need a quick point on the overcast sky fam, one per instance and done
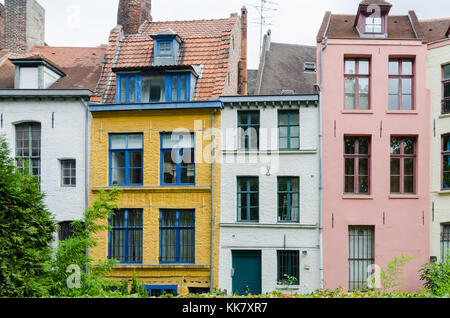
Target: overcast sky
(88, 22)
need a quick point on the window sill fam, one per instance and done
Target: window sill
(356, 111)
(357, 197)
(161, 266)
(444, 116)
(402, 112)
(443, 192)
(404, 196)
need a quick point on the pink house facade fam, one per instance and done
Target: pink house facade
(375, 145)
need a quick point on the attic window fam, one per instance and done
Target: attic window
(310, 66)
(373, 25)
(164, 48)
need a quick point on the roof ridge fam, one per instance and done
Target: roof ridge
(434, 19)
(194, 20)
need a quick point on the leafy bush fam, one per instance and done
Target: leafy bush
(437, 277)
(26, 232)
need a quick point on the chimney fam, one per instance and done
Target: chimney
(24, 25)
(242, 84)
(2, 25)
(133, 13)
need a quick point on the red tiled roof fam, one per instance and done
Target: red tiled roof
(435, 29)
(205, 42)
(82, 66)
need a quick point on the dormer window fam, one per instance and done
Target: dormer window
(167, 47)
(374, 25)
(35, 72)
(155, 87)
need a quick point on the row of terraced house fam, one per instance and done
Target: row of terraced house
(320, 166)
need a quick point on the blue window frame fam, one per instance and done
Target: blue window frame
(288, 266)
(177, 236)
(288, 130)
(288, 199)
(161, 290)
(126, 236)
(153, 88)
(126, 159)
(177, 159)
(248, 125)
(248, 199)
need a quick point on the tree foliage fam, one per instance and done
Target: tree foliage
(26, 232)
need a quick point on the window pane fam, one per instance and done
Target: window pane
(395, 166)
(131, 89)
(187, 175)
(363, 167)
(136, 176)
(349, 184)
(447, 72)
(407, 67)
(363, 185)
(118, 160)
(393, 68)
(134, 141)
(170, 167)
(395, 146)
(447, 90)
(295, 143)
(294, 118)
(409, 166)
(118, 176)
(395, 184)
(406, 86)
(364, 143)
(254, 184)
(187, 218)
(446, 143)
(349, 85)
(409, 184)
(123, 87)
(174, 88)
(349, 166)
(168, 218)
(393, 102)
(118, 141)
(393, 86)
(349, 145)
(364, 67)
(183, 88)
(282, 184)
(407, 102)
(409, 146)
(350, 67)
(283, 118)
(153, 89)
(349, 101)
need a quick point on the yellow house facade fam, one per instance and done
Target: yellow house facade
(173, 236)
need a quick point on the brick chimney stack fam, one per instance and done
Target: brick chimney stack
(133, 13)
(2, 25)
(242, 84)
(24, 25)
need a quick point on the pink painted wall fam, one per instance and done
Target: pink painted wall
(406, 224)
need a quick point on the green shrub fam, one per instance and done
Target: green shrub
(437, 277)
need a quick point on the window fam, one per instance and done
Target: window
(29, 78)
(401, 84)
(374, 24)
(158, 88)
(361, 256)
(446, 161)
(288, 266)
(153, 89)
(445, 241)
(357, 165)
(177, 236)
(66, 230)
(446, 89)
(157, 291)
(357, 81)
(68, 173)
(28, 148)
(403, 164)
(177, 159)
(309, 66)
(126, 236)
(288, 130)
(288, 199)
(248, 125)
(248, 199)
(164, 48)
(126, 159)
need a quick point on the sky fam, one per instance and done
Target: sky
(88, 22)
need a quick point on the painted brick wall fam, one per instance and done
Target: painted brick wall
(2, 24)
(268, 235)
(152, 198)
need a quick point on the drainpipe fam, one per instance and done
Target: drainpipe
(211, 287)
(86, 162)
(320, 165)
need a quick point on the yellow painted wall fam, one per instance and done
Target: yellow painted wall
(152, 197)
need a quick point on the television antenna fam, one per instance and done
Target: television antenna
(265, 8)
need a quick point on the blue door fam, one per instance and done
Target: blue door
(246, 272)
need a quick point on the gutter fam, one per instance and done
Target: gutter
(211, 287)
(320, 165)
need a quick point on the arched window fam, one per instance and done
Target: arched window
(28, 147)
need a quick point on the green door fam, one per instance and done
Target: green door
(246, 272)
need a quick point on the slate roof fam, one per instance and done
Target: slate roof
(435, 29)
(81, 65)
(282, 69)
(205, 42)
